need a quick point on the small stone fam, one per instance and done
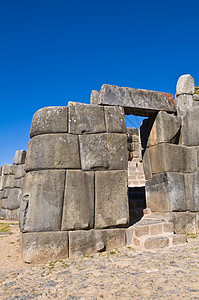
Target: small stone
(185, 85)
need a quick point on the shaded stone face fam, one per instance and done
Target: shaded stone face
(53, 151)
(78, 207)
(190, 130)
(49, 120)
(136, 101)
(111, 199)
(42, 201)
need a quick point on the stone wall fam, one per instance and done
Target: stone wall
(11, 182)
(171, 159)
(75, 194)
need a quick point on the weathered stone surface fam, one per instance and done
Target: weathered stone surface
(156, 242)
(178, 239)
(192, 191)
(40, 247)
(190, 129)
(196, 97)
(165, 129)
(147, 164)
(94, 96)
(42, 201)
(185, 85)
(1, 168)
(132, 131)
(78, 208)
(103, 151)
(136, 101)
(85, 118)
(8, 214)
(166, 192)
(86, 242)
(20, 157)
(49, 120)
(7, 181)
(14, 198)
(141, 230)
(19, 171)
(184, 222)
(111, 199)
(57, 151)
(18, 183)
(173, 158)
(129, 235)
(8, 169)
(183, 104)
(115, 119)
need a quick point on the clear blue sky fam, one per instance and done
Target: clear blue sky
(55, 51)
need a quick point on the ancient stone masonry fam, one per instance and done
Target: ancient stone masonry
(171, 159)
(11, 182)
(75, 191)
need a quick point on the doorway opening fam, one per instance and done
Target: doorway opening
(136, 178)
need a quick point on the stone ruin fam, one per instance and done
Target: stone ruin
(76, 199)
(11, 182)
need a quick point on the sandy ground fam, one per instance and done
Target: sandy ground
(172, 273)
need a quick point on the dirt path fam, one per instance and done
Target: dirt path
(171, 273)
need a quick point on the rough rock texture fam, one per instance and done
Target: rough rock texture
(42, 247)
(20, 157)
(103, 151)
(173, 158)
(85, 242)
(85, 118)
(78, 208)
(53, 151)
(115, 119)
(184, 222)
(136, 101)
(183, 104)
(49, 120)
(42, 201)
(190, 129)
(185, 85)
(94, 96)
(166, 192)
(192, 191)
(111, 200)
(165, 129)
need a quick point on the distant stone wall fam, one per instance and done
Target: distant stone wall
(11, 182)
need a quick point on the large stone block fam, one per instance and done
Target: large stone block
(192, 191)
(147, 164)
(20, 157)
(94, 96)
(190, 129)
(18, 183)
(136, 101)
(49, 120)
(183, 104)
(7, 181)
(173, 158)
(115, 119)
(40, 247)
(53, 151)
(14, 198)
(42, 201)
(184, 222)
(165, 129)
(86, 242)
(8, 169)
(111, 199)
(19, 171)
(8, 214)
(185, 85)
(103, 151)
(78, 208)
(166, 192)
(85, 118)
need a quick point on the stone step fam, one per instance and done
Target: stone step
(153, 231)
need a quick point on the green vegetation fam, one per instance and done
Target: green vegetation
(4, 227)
(197, 90)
